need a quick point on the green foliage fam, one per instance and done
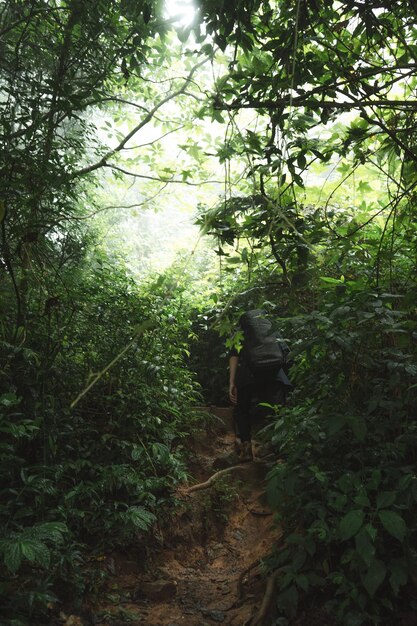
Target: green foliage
(30, 544)
(96, 388)
(95, 395)
(223, 496)
(99, 475)
(217, 504)
(208, 357)
(345, 490)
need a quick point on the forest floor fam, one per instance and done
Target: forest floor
(206, 568)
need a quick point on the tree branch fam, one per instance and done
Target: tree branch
(147, 325)
(129, 206)
(394, 136)
(148, 117)
(300, 101)
(159, 178)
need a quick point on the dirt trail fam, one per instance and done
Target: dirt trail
(206, 569)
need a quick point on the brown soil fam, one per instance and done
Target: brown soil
(207, 568)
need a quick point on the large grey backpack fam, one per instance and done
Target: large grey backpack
(262, 349)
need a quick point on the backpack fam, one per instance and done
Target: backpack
(262, 349)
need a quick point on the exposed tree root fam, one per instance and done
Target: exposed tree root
(239, 583)
(259, 618)
(259, 513)
(242, 576)
(211, 480)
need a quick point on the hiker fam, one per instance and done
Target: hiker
(257, 373)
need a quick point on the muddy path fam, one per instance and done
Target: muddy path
(206, 568)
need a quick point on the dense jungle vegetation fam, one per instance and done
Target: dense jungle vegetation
(297, 150)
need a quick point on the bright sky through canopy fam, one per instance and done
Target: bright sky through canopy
(182, 10)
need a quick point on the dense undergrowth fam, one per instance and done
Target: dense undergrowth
(346, 490)
(97, 475)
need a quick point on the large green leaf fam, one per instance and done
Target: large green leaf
(336, 423)
(12, 554)
(141, 517)
(393, 523)
(287, 600)
(365, 546)
(351, 523)
(374, 577)
(36, 552)
(385, 499)
(399, 574)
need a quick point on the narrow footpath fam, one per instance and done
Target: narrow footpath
(207, 568)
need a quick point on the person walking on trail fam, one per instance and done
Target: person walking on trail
(258, 373)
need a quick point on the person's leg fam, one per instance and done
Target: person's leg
(243, 420)
(243, 412)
